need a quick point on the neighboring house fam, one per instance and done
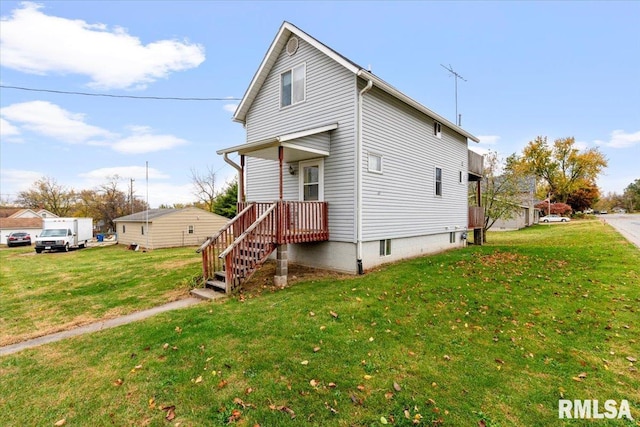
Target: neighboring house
(18, 219)
(527, 214)
(165, 228)
(362, 174)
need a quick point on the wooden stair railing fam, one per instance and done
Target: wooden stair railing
(250, 250)
(216, 244)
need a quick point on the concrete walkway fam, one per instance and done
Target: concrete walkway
(98, 326)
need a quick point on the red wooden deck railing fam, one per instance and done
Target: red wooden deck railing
(245, 242)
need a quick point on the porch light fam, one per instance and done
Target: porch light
(292, 171)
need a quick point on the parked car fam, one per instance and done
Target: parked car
(554, 218)
(18, 238)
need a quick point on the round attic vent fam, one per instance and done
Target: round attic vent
(292, 45)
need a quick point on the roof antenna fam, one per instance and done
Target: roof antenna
(457, 76)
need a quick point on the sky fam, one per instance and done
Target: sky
(554, 69)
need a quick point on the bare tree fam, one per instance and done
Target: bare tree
(503, 190)
(47, 194)
(205, 187)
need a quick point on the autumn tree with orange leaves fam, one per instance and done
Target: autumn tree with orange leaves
(561, 169)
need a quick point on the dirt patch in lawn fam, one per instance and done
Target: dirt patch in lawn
(262, 280)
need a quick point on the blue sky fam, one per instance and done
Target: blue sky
(555, 69)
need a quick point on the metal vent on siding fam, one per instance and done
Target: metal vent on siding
(292, 45)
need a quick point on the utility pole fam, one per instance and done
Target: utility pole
(456, 77)
(131, 195)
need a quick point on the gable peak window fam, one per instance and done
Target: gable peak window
(437, 130)
(292, 86)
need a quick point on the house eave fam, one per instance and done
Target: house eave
(266, 148)
(286, 30)
(381, 84)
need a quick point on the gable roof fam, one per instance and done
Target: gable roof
(286, 31)
(142, 216)
(20, 223)
(157, 213)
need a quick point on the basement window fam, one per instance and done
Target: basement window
(385, 247)
(452, 237)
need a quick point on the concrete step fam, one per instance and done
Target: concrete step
(206, 294)
(216, 285)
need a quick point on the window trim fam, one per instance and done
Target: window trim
(438, 189)
(301, 165)
(304, 86)
(385, 247)
(437, 130)
(369, 168)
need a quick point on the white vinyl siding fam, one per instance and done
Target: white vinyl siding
(330, 97)
(401, 202)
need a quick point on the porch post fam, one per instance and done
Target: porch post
(241, 195)
(282, 258)
(281, 160)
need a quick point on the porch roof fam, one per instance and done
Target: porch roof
(293, 150)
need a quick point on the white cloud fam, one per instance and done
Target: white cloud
(51, 120)
(7, 129)
(125, 172)
(581, 145)
(144, 141)
(620, 139)
(35, 43)
(16, 180)
(489, 139)
(230, 108)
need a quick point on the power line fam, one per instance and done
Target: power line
(164, 98)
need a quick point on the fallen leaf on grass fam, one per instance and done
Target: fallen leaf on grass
(283, 409)
(500, 361)
(118, 382)
(222, 384)
(316, 349)
(396, 386)
(235, 416)
(334, 314)
(198, 380)
(631, 359)
(61, 422)
(314, 383)
(304, 362)
(367, 377)
(582, 375)
(171, 412)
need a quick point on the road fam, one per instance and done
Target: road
(626, 224)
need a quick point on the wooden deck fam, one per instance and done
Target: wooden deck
(238, 249)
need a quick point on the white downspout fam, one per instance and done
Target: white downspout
(240, 176)
(361, 94)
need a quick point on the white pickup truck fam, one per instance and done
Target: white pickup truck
(64, 234)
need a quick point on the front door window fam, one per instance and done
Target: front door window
(311, 180)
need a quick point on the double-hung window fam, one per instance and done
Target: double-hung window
(292, 86)
(438, 182)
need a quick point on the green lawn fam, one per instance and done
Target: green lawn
(50, 292)
(490, 335)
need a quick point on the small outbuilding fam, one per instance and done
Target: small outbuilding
(167, 228)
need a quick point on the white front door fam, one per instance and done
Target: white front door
(311, 180)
